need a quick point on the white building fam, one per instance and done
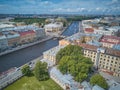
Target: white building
(40, 32)
(3, 42)
(65, 81)
(104, 32)
(54, 27)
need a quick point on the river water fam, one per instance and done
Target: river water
(20, 57)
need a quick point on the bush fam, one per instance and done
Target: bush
(99, 80)
(26, 70)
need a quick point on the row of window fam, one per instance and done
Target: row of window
(108, 56)
(107, 67)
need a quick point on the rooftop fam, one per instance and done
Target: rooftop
(96, 87)
(86, 85)
(2, 37)
(53, 51)
(19, 28)
(26, 32)
(64, 79)
(95, 48)
(15, 35)
(59, 75)
(55, 25)
(110, 39)
(87, 46)
(94, 42)
(78, 36)
(117, 47)
(89, 29)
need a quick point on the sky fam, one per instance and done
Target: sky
(60, 7)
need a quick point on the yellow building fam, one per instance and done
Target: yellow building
(107, 60)
(50, 55)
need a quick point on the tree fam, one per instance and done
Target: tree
(71, 60)
(99, 80)
(26, 70)
(69, 50)
(40, 71)
(63, 20)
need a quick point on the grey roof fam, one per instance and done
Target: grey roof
(115, 87)
(64, 79)
(53, 51)
(86, 85)
(94, 42)
(59, 76)
(80, 35)
(19, 28)
(96, 87)
(2, 37)
(9, 36)
(116, 47)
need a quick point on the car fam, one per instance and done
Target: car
(17, 69)
(29, 63)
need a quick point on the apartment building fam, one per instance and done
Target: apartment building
(80, 37)
(27, 36)
(104, 59)
(109, 41)
(13, 39)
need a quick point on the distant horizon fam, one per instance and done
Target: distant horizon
(97, 7)
(64, 14)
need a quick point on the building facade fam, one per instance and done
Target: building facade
(13, 39)
(110, 41)
(3, 42)
(40, 33)
(27, 36)
(103, 59)
(51, 54)
(54, 27)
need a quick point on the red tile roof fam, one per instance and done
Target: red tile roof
(110, 39)
(113, 52)
(26, 32)
(87, 46)
(89, 30)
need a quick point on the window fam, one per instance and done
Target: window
(106, 66)
(112, 57)
(111, 61)
(110, 68)
(114, 69)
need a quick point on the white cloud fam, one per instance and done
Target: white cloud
(68, 10)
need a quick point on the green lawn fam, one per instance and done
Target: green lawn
(31, 83)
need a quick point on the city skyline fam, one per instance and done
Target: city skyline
(60, 7)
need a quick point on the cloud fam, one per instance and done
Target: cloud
(61, 6)
(114, 3)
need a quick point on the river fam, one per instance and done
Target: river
(20, 57)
